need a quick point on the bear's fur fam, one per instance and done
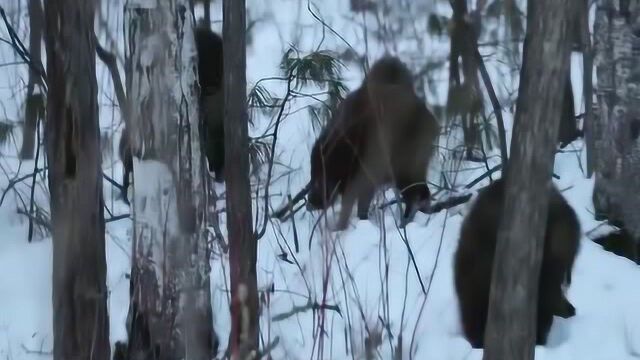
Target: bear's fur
(473, 262)
(382, 133)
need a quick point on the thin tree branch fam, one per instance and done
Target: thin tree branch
(34, 64)
(33, 181)
(282, 212)
(16, 181)
(109, 59)
(265, 220)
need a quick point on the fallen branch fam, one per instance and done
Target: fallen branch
(448, 203)
(282, 213)
(308, 306)
(117, 217)
(438, 206)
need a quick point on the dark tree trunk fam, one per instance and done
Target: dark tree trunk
(80, 319)
(207, 12)
(243, 243)
(170, 306)
(34, 104)
(511, 326)
(465, 103)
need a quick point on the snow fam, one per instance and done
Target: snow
(364, 275)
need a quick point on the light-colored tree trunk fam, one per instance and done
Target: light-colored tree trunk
(511, 321)
(170, 289)
(242, 241)
(616, 115)
(34, 104)
(80, 319)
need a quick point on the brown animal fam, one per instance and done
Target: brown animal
(124, 151)
(382, 133)
(473, 262)
(209, 51)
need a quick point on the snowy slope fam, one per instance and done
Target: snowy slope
(362, 282)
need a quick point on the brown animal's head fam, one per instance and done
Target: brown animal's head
(416, 197)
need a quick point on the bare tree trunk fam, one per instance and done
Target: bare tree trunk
(170, 311)
(465, 101)
(616, 116)
(243, 244)
(80, 319)
(207, 12)
(34, 104)
(587, 85)
(511, 325)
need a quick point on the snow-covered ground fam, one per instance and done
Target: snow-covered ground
(343, 290)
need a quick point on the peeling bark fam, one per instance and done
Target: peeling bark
(170, 312)
(243, 242)
(616, 115)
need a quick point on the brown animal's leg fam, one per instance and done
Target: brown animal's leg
(364, 202)
(348, 200)
(410, 197)
(564, 309)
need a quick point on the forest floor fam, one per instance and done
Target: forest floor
(334, 292)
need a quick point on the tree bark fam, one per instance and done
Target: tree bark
(170, 312)
(34, 104)
(80, 319)
(587, 86)
(511, 326)
(243, 244)
(616, 116)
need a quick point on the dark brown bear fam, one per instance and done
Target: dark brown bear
(209, 52)
(382, 133)
(210, 76)
(473, 262)
(124, 150)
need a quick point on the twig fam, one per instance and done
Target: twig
(35, 219)
(483, 176)
(33, 180)
(36, 352)
(14, 182)
(308, 306)
(280, 213)
(21, 50)
(263, 229)
(296, 242)
(110, 61)
(448, 203)
(497, 109)
(112, 182)
(117, 217)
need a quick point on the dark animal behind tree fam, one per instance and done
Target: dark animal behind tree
(382, 133)
(473, 263)
(210, 75)
(211, 105)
